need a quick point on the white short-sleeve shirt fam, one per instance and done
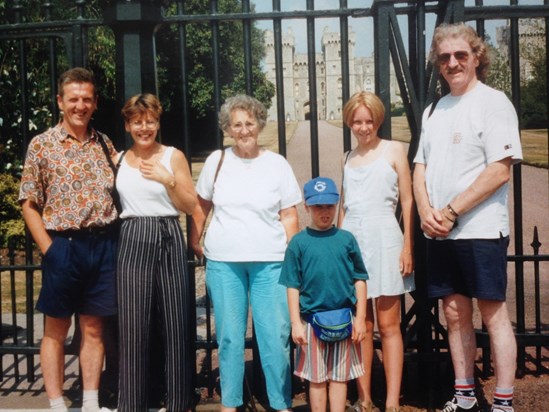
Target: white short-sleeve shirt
(248, 196)
(458, 141)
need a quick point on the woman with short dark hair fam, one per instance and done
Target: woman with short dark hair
(155, 185)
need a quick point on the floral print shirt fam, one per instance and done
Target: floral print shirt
(70, 181)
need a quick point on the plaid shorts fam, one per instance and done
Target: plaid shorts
(321, 361)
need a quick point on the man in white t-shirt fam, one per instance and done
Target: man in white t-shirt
(469, 141)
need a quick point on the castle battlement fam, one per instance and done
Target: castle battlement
(328, 76)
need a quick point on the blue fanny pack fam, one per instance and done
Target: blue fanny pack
(332, 325)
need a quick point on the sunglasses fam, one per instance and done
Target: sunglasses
(461, 56)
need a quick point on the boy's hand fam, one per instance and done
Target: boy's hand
(299, 335)
(359, 330)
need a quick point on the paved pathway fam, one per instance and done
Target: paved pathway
(330, 143)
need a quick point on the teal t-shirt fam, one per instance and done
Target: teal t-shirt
(323, 266)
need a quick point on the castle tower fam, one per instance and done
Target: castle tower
(328, 76)
(288, 54)
(333, 86)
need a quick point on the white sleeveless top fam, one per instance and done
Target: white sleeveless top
(371, 196)
(144, 197)
(248, 197)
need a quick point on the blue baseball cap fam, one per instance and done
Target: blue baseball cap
(320, 191)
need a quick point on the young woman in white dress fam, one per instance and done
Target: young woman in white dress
(377, 177)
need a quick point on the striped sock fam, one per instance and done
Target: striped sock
(503, 400)
(464, 392)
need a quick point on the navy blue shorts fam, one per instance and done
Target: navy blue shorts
(476, 268)
(78, 275)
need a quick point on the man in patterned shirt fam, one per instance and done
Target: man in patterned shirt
(67, 205)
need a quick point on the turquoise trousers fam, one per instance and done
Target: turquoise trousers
(233, 287)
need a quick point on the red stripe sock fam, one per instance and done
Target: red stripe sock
(464, 392)
(503, 399)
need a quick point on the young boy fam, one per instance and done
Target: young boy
(323, 270)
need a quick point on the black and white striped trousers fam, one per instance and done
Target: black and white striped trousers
(152, 278)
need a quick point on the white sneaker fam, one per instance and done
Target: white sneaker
(452, 406)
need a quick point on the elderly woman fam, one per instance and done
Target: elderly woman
(253, 193)
(155, 185)
(377, 177)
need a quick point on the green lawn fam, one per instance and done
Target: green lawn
(20, 291)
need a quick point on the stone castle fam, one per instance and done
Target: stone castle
(328, 76)
(531, 41)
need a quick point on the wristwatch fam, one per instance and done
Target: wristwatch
(171, 184)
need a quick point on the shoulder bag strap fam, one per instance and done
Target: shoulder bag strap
(342, 179)
(106, 151)
(114, 194)
(119, 161)
(219, 165)
(433, 105)
(343, 171)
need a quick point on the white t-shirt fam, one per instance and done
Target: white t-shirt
(463, 135)
(144, 197)
(248, 196)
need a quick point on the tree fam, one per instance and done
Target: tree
(39, 89)
(534, 98)
(11, 222)
(200, 67)
(101, 49)
(499, 75)
(533, 73)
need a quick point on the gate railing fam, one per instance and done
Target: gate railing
(135, 25)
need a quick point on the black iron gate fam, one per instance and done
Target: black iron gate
(134, 27)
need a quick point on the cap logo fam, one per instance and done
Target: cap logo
(320, 186)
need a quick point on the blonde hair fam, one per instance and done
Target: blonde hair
(368, 100)
(467, 33)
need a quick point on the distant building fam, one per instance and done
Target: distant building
(328, 76)
(531, 40)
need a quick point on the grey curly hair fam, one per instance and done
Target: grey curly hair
(242, 102)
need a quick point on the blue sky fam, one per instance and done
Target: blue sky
(363, 27)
